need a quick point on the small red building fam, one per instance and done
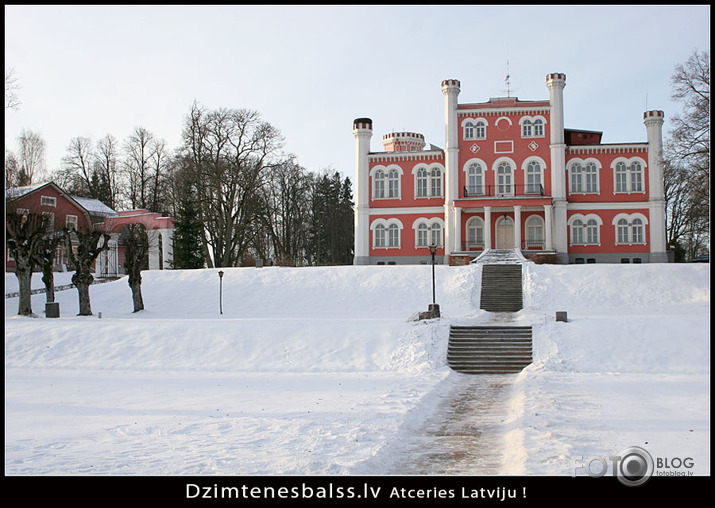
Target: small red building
(72, 212)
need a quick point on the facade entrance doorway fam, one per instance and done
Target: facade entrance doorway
(505, 233)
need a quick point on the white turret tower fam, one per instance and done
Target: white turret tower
(653, 121)
(556, 83)
(362, 130)
(450, 89)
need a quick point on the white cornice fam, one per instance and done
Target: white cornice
(626, 205)
(406, 156)
(417, 210)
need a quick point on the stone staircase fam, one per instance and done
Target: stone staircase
(500, 257)
(489, 349)
(501, 288)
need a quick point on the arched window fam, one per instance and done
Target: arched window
(378, 184)
(422, 235)
(481, 130)
(393, 184)
(577, 232)
(475, 180)
(576, 172)
(475, 233)
(538, 127)
(591, 231)
(379, 240)
(526, 129)
(436, 238)
(621, 177)
(436, 182)
(393, 236)
(533, 178)
(637, 231)
(628, 174)
(591, 174)
(636, 177)
(469, 130)
(622, 231)
(535, 232)
(422, 183)
(504, 179)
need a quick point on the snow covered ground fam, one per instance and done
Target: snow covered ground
(313, 371)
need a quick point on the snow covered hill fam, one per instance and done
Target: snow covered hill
(315, 370)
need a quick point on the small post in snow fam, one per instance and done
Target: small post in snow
(220, 291)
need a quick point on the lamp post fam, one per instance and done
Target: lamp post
(433, 251)
(220, 291)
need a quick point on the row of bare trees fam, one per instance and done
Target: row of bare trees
(253, 201)
(32, 241)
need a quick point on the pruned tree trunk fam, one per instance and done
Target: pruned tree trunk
(48, 279)
(24, 281)
(136, 245)
(137, 295)
(90, 245)
(82, 281)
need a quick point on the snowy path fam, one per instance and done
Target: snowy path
(463, 435)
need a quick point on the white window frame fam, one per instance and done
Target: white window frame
(475, 225)
(628, 231)
(534, 222)
(427, 180)
(433, 229)
(390, 233)
(579, 181)
(533, 187)
(532, 126)
(421, 182)
(71, 219)
(48, 201)
(582, 229)
(628, 170)
(478, 189)
(504, 184)
(386, 182)
(469, 130)
(474, 128)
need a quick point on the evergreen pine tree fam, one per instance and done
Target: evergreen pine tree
(188, 233)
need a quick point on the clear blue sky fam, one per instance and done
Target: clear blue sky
(311, 70)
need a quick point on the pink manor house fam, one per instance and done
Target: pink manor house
(510, 177)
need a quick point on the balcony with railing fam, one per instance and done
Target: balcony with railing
(502, 191)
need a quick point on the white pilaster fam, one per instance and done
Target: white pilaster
(556, 83)
(487, 227)
(653, 121)
(517, 227)
(362, 130)
(458, 228)
(450, 90)
(548, 233)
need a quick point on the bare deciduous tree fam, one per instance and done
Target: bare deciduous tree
(91, 243)
(24, 232)
(229, 152)
(687, 158)
(31, 158)
(136, 245)
(12, 101)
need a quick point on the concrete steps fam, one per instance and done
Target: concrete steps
(501, 288)
(489, 349)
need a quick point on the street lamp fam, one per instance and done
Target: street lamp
(433, 251)
(434, 308)
(220, 290)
